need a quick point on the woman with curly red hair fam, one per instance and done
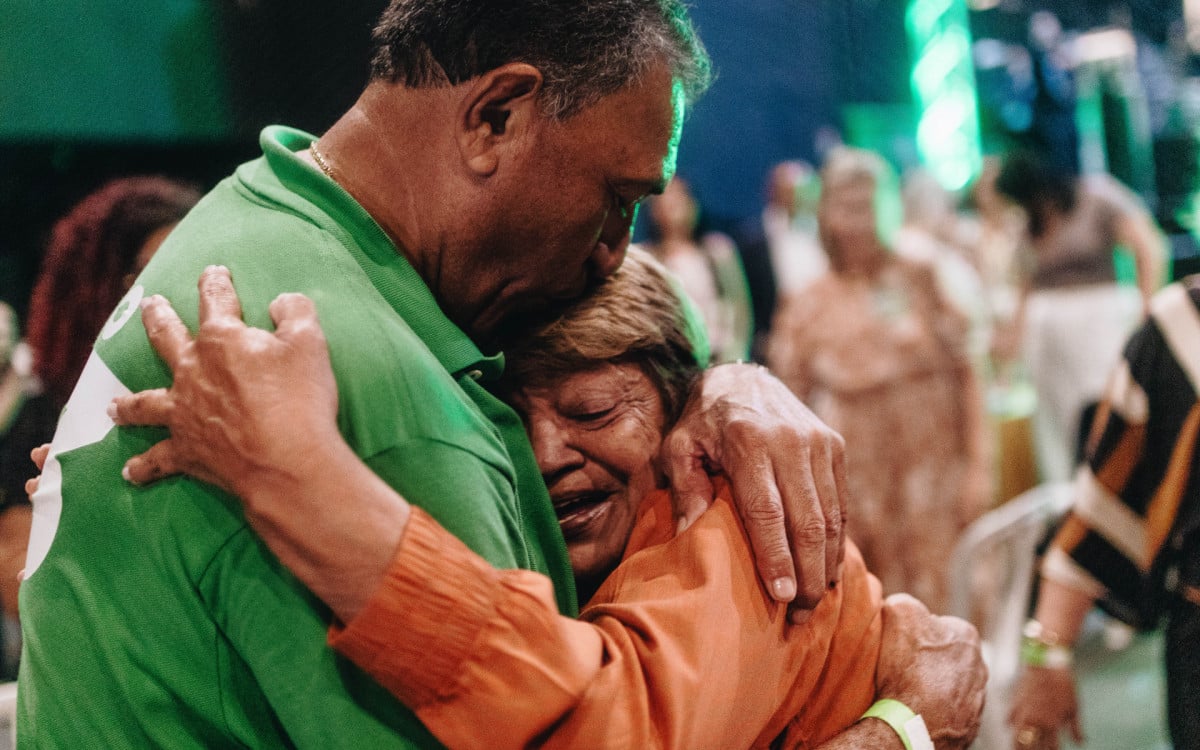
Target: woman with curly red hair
(95, 253)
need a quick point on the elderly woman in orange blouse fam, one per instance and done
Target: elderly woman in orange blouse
(878, 354)
(678, 646)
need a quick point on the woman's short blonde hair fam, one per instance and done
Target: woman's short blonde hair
(847, 167)
(635, 316)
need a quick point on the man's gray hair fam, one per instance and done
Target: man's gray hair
(585, 49)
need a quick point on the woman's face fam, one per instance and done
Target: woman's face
(849, 223)
(596, 436)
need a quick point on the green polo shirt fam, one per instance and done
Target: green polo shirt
(153, 616)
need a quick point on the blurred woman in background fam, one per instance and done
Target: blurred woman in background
(95, 253)
(708, 266)
(933, 233)
(879, 354)
(1072, 315)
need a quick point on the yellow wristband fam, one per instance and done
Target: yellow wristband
(910, 726)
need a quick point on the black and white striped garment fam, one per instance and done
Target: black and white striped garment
(1137, 499)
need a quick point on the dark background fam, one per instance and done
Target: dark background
(93, 89)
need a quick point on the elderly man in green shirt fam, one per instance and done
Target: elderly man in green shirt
(489, 172)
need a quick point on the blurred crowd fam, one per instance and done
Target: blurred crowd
(911, 318)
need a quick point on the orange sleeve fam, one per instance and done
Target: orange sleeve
(680, 648)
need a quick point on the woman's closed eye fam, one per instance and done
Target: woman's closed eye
(590, 412)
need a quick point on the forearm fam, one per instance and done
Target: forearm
(868, 734)
(456, 640)
(1150, 271)
(1150, 253)
(341, 557)
(1150, 262)
(1061, 610)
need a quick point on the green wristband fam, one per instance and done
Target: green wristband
(910, 726)
(1038, 654)
(1039, 649)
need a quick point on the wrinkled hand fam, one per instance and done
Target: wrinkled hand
(933, 665)
(1044, 704)
(787, 470)
(246, 405)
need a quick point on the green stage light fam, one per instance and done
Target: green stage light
(943, 85)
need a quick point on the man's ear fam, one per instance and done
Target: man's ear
(499, 108)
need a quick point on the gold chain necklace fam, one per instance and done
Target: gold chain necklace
(320, 160)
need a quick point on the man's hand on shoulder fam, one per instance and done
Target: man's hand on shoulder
(787, 470)
(232, 407)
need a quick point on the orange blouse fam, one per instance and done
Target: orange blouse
(680, 648)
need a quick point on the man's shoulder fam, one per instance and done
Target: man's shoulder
(234, 221)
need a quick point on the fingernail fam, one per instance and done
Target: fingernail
(681, 524)
(112, 410)
(126, 474)
(784, 589)
(21, 574)
(800, 616)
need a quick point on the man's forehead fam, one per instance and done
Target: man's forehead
(635, 133)
(661, 170)
(678, 113)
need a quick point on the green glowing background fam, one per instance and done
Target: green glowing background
(144, 69)
(943, 85)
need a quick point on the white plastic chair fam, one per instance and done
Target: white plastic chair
(1005, 541)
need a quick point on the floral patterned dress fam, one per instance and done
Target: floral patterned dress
(884, 361)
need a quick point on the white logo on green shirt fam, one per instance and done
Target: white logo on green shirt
(84, 421)
(125, 310)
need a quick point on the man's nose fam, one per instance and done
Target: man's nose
(606, 258)
(614, 241)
